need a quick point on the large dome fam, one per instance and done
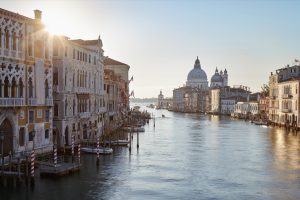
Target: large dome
(197, 74)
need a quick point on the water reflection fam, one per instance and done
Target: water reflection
(186, 156)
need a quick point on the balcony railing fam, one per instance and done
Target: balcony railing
(287, 96)
(49, 101)
(12, 102)
(286, 110)
(32, 102)
(102, 109)
(84, 114)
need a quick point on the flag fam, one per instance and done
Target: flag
(131, 79)
(132, 94)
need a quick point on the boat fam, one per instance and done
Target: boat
(135, 129)
(120, 142)
(102, 150)
(163, 115)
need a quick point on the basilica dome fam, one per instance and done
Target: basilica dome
(197, 73)
(197, 77)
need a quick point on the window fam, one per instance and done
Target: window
(74, 53)
(31, 116)
(94, 60)
(7, 39)
(55, 50)
(30, 136)
(22, 136)
(14, 41)
(66, 51)
(47, 134)
(89, 58)
(55, 110)
(30, 87)
(47, 115)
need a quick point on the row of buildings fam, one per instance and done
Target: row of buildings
(217, 97)
(278, 105)
(53, 88)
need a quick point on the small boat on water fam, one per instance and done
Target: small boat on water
(120, 142)
(260, 123)
(163, 115)
(102, 150)
(135, 129)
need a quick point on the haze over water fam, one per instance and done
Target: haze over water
(186, 156)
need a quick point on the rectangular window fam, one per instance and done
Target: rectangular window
(77, 55)
(74, 53)
(47, 115)
(22, 136)
(31, 116)
(89, 58)
(66, 51)
(94, 60)
(47, 134)
(30, 136)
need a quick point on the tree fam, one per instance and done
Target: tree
(265, 90)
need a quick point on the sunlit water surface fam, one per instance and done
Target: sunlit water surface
(186, 156)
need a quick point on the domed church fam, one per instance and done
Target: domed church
(197, 77)
(219, 79)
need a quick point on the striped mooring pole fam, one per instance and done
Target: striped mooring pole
(55, 155)
(32, 159)
(98, 157)
(73, 138)
(79, 154)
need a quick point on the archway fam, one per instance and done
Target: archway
(67, 136)
(8, 137)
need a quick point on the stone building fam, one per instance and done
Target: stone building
(194, 96)
(120, 69)
(162, 102)
(284, 95)
(79, 102)
(25, 83)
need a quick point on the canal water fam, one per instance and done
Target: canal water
(186, 156)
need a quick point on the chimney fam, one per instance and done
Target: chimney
(37, 14)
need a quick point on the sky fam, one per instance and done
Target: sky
(160, 39)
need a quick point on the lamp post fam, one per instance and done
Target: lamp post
(2, 150)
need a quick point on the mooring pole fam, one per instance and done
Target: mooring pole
(137, 137)
(73, 138)
(98, 157)
(32, 167)
(130, 139)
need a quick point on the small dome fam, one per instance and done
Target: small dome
(216, 78)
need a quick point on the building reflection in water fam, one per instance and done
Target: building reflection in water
(285, 149)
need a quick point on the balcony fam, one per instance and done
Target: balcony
(102, 109)
(84, 114)
(49, 101)
(6, 102)
(32, 102)
(286, 110)
(287, 96)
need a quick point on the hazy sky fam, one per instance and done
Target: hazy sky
(160, 40)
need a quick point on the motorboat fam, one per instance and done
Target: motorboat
(93, 150)
(120, 142)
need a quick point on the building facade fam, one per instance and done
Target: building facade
(25, 83)
(162, 102)
(79, 102)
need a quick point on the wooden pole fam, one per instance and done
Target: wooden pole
(137, 137)
(130, 140)
(32, 167)
(97, 162)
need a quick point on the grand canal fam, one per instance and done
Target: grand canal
(186, 156)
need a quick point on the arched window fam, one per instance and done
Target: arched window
(66, 76)
(30, 88)
(73, 106)
(55, 110)
(21, 85)
(78, 78)
(6, 85)
(1, 88)
(66, 107)
(20, 46)
(74, 79)
(14, 40)
(46, 89)
(0, 38)
(13, 88)
(6, 39)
